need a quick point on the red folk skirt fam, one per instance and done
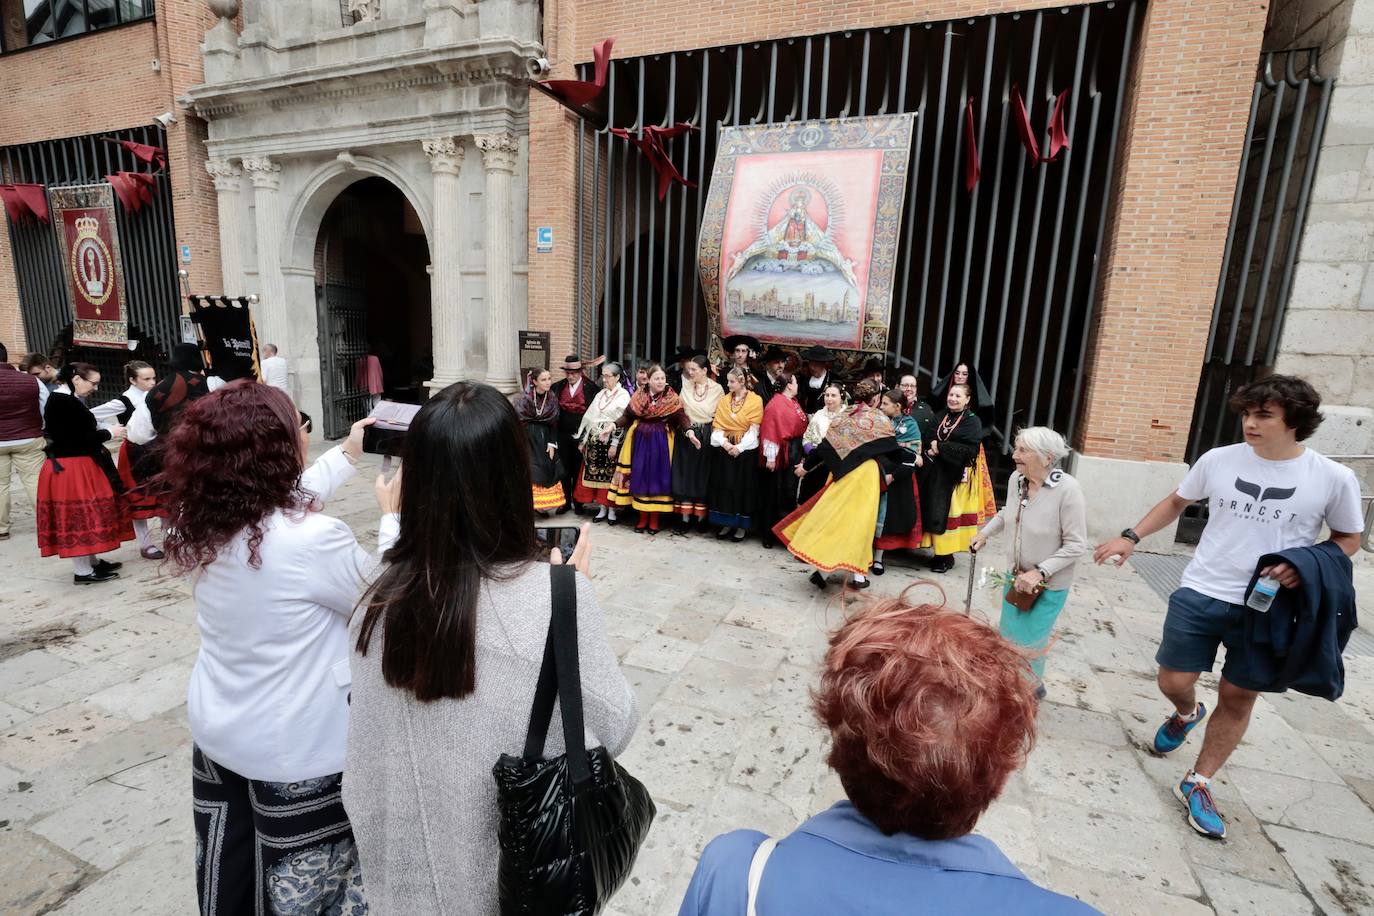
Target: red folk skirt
(79, 513)
(136, 498)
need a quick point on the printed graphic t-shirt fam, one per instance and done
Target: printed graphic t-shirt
(1256, 506)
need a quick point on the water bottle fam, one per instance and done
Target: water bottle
(1262, 595)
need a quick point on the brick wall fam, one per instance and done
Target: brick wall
(1183, 126)
(106, 81)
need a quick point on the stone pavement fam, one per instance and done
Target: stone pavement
(721, 643)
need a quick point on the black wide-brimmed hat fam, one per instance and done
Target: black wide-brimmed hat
(734, 340)
(774, 354)
(874, 364)
(685, 352)
(817, 354)
(572, 363)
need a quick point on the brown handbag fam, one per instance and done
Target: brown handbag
(1022, 601)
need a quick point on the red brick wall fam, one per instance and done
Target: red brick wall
(106, 81)
(1183, 126)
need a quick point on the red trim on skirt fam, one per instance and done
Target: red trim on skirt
(912, 539)
(79, 513)
(586, 495)
(136, 499)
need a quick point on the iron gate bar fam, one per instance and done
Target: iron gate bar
(974, 196)
(991, 242)
(904, 269)
(934, 185)
(1090, 300)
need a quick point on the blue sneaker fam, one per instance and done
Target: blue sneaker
(1174, 731)
(1202, 810)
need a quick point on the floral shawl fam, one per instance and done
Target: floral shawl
(862, 425)
(646, 407)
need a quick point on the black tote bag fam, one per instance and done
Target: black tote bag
(570, 825)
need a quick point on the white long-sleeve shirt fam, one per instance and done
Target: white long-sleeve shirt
(107, 414)
(268, 696)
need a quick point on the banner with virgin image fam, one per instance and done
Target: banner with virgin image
(88, 237)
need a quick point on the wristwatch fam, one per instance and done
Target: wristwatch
(1130, 535)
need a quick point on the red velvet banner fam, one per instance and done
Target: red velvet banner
(88, 236)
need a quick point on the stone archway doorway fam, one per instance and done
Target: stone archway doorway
(372, 290)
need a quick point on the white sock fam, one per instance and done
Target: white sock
(84, 565)
(1197, 778)
(877, 555)
(1192, 716)
(725, 532)
(145, 536)
(859, 578)
(602, 513)
(610, 514)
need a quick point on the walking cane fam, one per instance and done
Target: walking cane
(972, 568)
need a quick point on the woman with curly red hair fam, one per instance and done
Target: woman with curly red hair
(929, 712)
(274, 581)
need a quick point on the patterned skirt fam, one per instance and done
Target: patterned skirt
(598, 470)
(644, 468)
(970, 507)
(79, 513)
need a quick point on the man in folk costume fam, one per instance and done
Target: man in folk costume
(774, 363)
(834, 529)
(573, 393)
(166, 401)
(811, 391)
(740, 350)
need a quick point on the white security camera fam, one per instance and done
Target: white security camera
(537, 67)
(166, 119)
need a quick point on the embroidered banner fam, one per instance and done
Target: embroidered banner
(799, 236)
(88, 236)
(231, 343)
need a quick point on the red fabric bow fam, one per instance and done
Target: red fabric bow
(24, 198)
(650, 143)
(1059, 137)
(134, 189)
(153, 155)
(576, 93)
(972, 171)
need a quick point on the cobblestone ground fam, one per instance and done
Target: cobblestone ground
(721, 644)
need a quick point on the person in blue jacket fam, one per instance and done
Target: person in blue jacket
(929, 712)
(1265, 495)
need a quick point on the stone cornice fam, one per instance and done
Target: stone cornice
(470, 63)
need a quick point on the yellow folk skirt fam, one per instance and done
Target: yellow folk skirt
(971, 506)
(834, 529)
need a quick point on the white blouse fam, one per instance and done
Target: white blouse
(268, 697)
(602, 412)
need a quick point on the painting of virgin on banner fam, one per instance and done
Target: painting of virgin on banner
(799, 236)
(88, 236)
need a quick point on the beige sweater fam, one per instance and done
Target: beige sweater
(1054, 528)
(418, 786)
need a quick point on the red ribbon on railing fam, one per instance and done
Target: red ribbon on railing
(972, 170)
(25, 198)
(576, 93)
(1059, 137)
(650, 143)
(134, 189)
(152, 155)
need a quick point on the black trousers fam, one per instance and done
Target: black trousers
(272, 848)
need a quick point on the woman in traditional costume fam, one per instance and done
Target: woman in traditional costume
(834, 402)
(780, 452)
(594, 437)
(980, 401)
(899, 510)
(834, 529)
(134, 464)
(538, 411)
(644, 461)
(732, 493)
(692, 465)
(952, 496)
(80, 510)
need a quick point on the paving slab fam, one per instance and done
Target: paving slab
(1243, 897)
(36, 875)
(1338, 874)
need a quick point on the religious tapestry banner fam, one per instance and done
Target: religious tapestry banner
(799, 237)
(88, 237)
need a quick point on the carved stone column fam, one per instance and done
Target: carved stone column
(270, 317)
(446, 285)
(228, 181)
(499, 155)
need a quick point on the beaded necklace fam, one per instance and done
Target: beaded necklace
(946, 428)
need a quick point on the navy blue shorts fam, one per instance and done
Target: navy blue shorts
(1193, 629)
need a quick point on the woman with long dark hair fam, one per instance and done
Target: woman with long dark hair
(538, 410)
(780, 452)
(274, 581)
(80, 509)
(692, 462)
(449, 643)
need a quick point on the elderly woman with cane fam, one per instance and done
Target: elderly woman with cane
(1045, 513)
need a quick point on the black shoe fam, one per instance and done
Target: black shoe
(769, 542)
(942, 564)
(1041, 692)
(599, 518)
(106, 566)
(877, 568)
(740, 535)
(722, 534)
(100, 575)
(563, 509)
(818, 580)
(612, 522)
(853, 583)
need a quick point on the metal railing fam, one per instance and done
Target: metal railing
(1366, 536)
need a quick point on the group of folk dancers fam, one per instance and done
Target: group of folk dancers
(836, 471)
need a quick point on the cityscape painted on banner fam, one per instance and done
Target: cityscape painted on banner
(798, 242)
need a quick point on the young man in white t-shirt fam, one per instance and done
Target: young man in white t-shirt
(1267, 494)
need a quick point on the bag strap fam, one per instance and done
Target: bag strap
(756, 866)
(1023, 496)
(560, 678)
